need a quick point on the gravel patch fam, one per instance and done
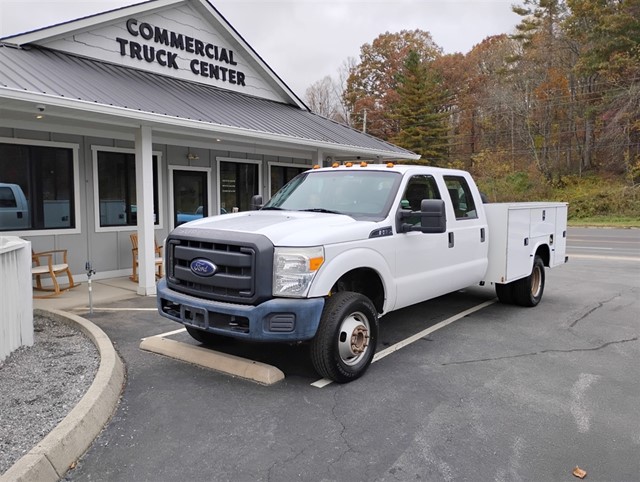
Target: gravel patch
(41, 384)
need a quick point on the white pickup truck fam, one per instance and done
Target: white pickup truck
(14, 208)
(338, 247)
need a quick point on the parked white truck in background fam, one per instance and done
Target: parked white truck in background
(14, 208)
(336, 248)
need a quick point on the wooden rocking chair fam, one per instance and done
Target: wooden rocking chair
(46, 263)
(134, 258)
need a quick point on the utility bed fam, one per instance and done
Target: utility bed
(516, 229)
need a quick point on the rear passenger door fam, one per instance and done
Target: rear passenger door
(467, 241)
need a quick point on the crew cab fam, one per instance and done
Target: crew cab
(337, 248)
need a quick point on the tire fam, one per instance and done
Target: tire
(528, 291)
(204, 337)
(504, 292)
(346, 340)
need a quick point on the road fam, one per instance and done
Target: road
(502, 394)
(589, 242)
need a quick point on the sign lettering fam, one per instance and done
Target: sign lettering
(167, 57)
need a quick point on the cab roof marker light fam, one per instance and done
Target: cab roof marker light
(335, 164)
(390, 164)
(316, 166)
(349, 164)
(363, 164)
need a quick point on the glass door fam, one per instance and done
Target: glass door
(190, 195)
(239, 181)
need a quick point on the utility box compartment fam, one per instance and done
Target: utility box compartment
(516, 230)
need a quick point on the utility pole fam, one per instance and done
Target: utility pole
(364, 122)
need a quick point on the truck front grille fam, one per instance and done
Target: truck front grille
(236, 277)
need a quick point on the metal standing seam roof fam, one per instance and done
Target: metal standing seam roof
(44, 71)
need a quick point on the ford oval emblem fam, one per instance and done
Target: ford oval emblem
(203, 267)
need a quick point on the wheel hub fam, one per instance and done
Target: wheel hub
(353, 339)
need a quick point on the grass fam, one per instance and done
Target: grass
(606, 222)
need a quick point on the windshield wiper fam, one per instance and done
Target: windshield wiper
(271, 208)
(321, 210)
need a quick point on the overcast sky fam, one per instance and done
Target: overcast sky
(305, 40)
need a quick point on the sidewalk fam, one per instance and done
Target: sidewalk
(102, 292)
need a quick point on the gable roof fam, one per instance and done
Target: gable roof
(81, 87)
(47, 35)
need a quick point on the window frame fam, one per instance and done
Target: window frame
(95, 149)
(75, 166)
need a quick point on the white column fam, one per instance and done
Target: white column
(144, 201)
(318, 158)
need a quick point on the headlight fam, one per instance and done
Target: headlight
(294, 269)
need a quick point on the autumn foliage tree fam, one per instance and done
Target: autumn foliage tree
(371, 91)
(558, 97)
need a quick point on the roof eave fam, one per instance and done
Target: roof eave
(142, 117)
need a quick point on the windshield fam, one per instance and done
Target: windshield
(358, 193)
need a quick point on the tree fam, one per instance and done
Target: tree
(608, 35)
(323, 98)
(544, 65)
(420, 111)
(371, 90)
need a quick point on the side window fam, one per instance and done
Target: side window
(461, 198)
(418, 188)
(7, 199)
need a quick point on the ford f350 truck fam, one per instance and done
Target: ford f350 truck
(338, 247)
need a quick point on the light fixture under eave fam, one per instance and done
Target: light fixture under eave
(39, 116)
(192, 157)
(218, 140)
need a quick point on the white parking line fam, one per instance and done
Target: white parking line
(162, 335)
(323, 382)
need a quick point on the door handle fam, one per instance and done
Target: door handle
(482, 235)
(451, 240)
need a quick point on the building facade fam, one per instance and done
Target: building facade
(141, 118)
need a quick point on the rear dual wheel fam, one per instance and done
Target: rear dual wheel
(346, 340)
(526, 291)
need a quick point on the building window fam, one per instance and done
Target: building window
(117, 188)
(280, 174)
(37, 184)
(239, 181)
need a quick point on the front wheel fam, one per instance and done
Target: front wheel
(528, 291)
(346, 340)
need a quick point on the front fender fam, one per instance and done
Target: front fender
(337, 266)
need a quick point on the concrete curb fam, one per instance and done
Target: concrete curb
(52, 457)
(220, 362)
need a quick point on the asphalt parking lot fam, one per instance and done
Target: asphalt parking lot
(505, 393)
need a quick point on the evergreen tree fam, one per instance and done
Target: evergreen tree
(420, 112)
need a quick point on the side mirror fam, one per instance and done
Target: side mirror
(433, 215)
(256, 202)
(433, 218)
